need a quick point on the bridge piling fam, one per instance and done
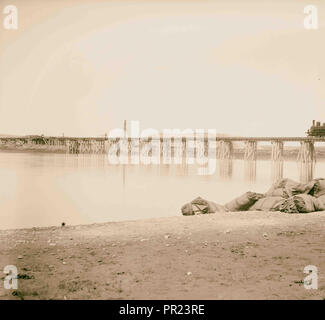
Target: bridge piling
(307, 152)
(225, 150)
(250, 150)
(277, 150)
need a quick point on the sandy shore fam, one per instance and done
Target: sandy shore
(247, 255)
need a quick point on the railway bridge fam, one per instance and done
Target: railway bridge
(224, 146)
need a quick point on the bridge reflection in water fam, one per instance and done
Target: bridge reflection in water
(306, 171)
(276, 170)
(198, 145)
(225, 168)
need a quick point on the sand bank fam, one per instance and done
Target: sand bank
(246, 255)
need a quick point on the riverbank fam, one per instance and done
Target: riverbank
(246, 255)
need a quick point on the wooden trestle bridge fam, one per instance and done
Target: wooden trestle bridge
(223, 145)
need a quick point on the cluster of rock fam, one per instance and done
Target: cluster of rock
(285, 195)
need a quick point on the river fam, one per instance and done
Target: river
(41, 189)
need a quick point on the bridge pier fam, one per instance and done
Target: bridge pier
(307, 152)
(225, 150)
(72, 146)
(277, 150)
(178, 150)
(134, 150)
(200, 147)
(250, 150)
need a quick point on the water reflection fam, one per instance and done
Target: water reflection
(276, 170)
(225, 168)
(250, 170)
(164, 169)
(306, 170)
(46, 189)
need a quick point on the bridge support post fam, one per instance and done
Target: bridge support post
(225, 150)
(134, 150)
(307, 152)
(306, 159)
(277, 150)
(67, 146)
(106, 146)
(250, 150)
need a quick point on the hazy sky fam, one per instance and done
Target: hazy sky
(81, 67)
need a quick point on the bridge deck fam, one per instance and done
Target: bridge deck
(265, 139)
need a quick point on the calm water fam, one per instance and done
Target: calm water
(47, 189)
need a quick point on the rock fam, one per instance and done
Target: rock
(144, 240)
(189, 273)
(265, 235)
(20, 257)
(167, 236)
(64, 262)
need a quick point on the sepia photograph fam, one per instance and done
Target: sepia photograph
(162, 150)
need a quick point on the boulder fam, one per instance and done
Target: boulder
(244, 202)
(266, 204)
